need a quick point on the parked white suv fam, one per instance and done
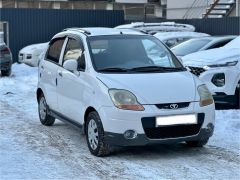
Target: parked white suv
(219, 69)
(108, 82)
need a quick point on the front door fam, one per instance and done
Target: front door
(71, 87)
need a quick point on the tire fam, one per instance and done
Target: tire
(43, 112)
(198, 143)
(237, 97)
(6, 72)
(95, 136)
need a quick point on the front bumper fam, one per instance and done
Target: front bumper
(116, 122)
(232, 76)
(142, 140)
(223, 99)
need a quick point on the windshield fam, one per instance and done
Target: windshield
(124, 53)
(234, 43)
(189, 46)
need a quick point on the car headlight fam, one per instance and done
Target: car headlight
(232, 63)
(28, 56)
(124, 99)
(205, 96)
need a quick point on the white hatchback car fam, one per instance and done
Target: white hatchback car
(105, 81)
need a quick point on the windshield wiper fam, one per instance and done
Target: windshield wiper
(156, 68)
(113, 69)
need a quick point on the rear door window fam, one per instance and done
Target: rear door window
(54, 50)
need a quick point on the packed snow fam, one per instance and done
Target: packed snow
(29, 150)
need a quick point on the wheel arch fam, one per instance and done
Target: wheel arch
(38, 93)
(87, 112)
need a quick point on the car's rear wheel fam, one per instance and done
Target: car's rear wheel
(6, 72)
(198, 143)
(95, 135)
(43, 112)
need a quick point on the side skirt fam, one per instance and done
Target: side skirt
(65, 119)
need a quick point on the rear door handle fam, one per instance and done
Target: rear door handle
(60, 74)
(42, 67)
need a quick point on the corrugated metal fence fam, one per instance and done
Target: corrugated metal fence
(216, 26)
(29, 26)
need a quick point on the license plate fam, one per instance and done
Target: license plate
(20, 58)
(176, 120)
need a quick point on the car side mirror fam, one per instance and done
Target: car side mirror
(70, 65)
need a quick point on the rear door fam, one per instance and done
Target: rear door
(48, 71)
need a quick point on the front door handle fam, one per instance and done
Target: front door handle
(42, 67)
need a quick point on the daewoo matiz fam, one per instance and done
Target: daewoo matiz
(123, 88)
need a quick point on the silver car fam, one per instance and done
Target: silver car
(200, 44)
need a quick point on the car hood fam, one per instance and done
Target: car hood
(35, 48)
(154, 88)
(213, 56)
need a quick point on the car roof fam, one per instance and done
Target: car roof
(100, 31)
(172, 35)
(212, 38)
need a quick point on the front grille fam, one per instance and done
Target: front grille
(174, 131)
(196, 70)
(173, 105)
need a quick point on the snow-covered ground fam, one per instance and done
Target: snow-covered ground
(29, 150)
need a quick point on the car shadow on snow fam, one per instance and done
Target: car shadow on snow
(72, 135)
(159, 151)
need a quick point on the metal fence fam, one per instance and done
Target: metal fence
(29, 26)
(216, 26)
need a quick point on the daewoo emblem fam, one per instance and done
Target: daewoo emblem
(173, 106)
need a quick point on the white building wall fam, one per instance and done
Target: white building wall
(132, 1)
(234, 12)
(176, 9)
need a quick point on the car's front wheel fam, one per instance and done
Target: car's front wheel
(237, 97)
(43, 112)
(95, 135)
(6, 72)
(198, 143)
